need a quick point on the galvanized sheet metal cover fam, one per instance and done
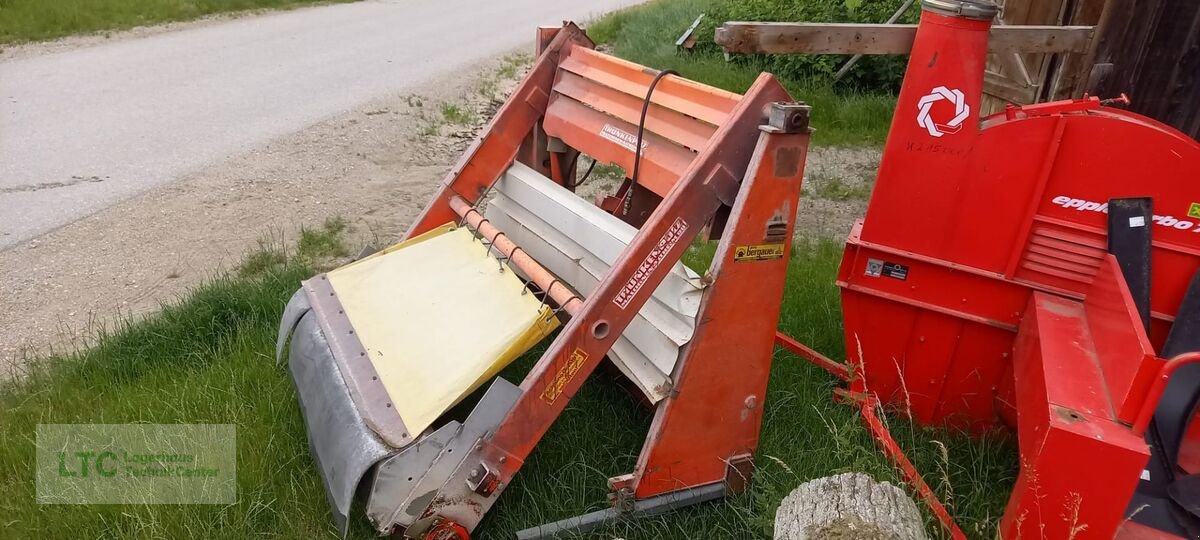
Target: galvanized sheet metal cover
(983, 10)
(344, 447)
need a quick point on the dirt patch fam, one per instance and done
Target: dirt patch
(837, 186)
(375, 167)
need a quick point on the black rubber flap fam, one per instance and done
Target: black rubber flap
(1129, 223)
(1185, 496)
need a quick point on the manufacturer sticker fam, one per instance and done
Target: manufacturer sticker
(761, 252)
(1166, 221)
(621, 137)
(564, 375)
(878, 268)
(925, 116)
(651, 262)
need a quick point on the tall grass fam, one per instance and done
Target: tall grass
(36, 20)
(206, 360)
(646, 34)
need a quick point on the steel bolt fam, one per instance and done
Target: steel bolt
(503, 459)
(751, 402)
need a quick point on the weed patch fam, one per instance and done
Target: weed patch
(457, 115)
(324, 242)
(834, 188)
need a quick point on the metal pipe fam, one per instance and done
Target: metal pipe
(1160, 385)
(558, 291)
(835, 368)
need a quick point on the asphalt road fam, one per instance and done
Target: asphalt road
(83, 129)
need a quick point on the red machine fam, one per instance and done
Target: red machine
(1025, 268)
(702, 160)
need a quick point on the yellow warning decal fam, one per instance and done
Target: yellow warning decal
(761, 252)
(1194, 210)
(564, 375)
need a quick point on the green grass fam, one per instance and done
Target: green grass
(210, 360)
(833, 188)
(36, 20)
(646, 34)
(457, 115)
(323, 242)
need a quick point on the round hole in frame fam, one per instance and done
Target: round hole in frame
(600, 330)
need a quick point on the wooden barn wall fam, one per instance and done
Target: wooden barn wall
(1150, 50)
(1053, 76)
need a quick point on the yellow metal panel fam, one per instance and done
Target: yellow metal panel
(438, 318)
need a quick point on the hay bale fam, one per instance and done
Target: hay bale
(851, 506)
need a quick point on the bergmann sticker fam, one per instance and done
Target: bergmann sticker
(761, 252)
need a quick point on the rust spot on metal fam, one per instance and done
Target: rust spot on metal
(442, 501)
(787, 162)
(1069, 416)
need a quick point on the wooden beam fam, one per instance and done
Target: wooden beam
(832, 38)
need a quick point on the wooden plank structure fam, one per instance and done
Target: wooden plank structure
(1042, 50)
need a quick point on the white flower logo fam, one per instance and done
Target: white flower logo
(961, 109)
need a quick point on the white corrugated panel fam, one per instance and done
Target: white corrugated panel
(579, 242)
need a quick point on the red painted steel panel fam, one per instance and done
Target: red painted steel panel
(982, 358)
(1123, 349)
(1079, 467)
(663, 162)
(705, 103)
(931, 349)
(674, 126)
(944, 57)
(717, 412)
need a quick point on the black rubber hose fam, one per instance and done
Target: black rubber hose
(637, 150)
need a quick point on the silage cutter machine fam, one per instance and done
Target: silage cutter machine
(381, 348)
(1033, 269)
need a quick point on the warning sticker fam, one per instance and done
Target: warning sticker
(878, 268)
(564, 375)
(1194, 210)
(650, 263)
(761, 252)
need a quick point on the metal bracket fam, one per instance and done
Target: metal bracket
(620, 494)
(483, 480)
(787, 117)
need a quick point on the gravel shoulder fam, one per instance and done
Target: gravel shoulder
(374, 166)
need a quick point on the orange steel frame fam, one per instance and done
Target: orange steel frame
(707, 430)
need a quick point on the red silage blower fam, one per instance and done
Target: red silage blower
(1034, 268)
